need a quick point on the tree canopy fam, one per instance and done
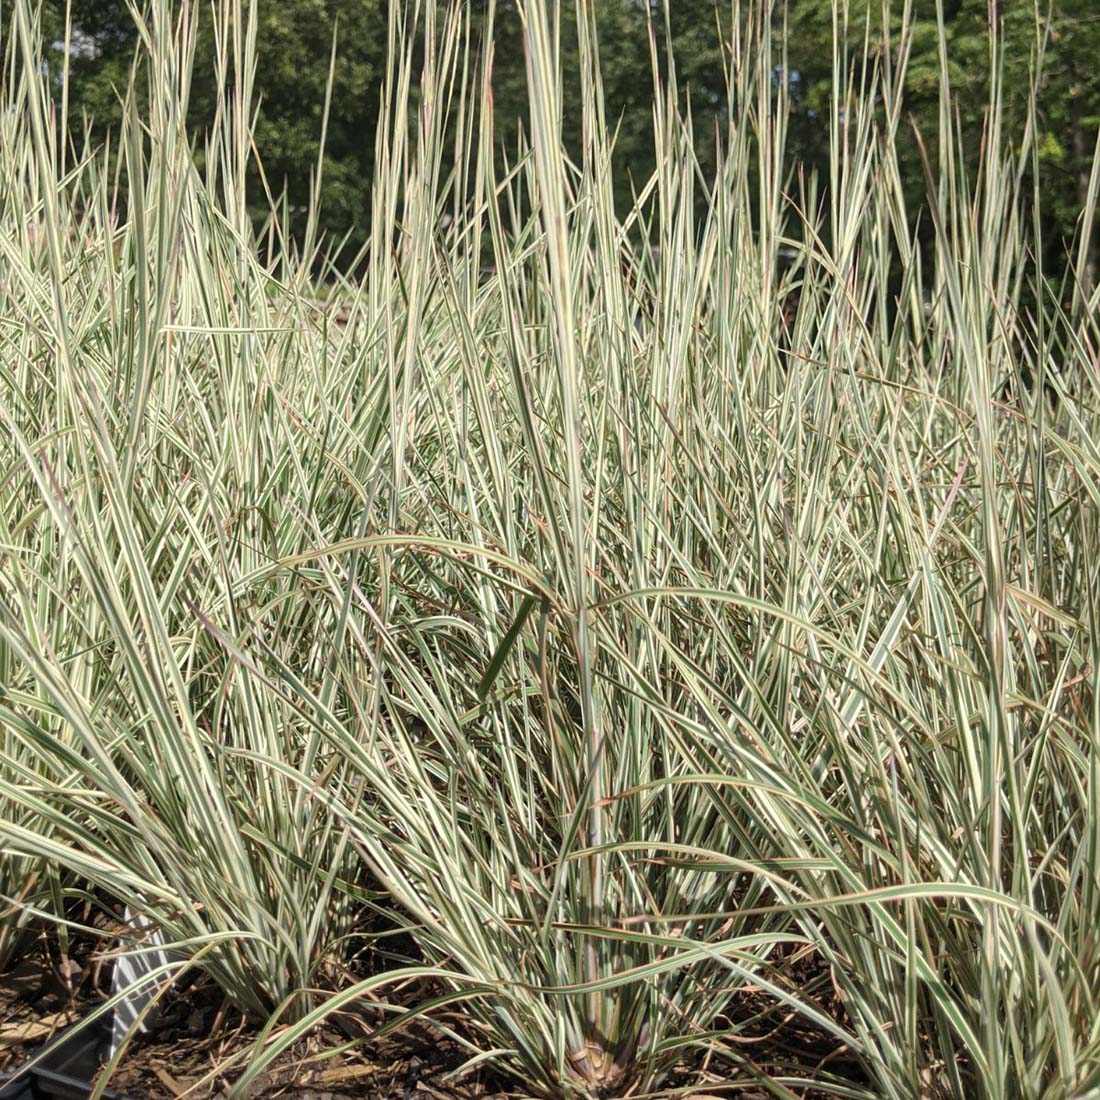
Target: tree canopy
(295, 40)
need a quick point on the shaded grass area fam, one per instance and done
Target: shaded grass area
(676, 632)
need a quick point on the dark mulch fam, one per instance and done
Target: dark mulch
(199, 1045)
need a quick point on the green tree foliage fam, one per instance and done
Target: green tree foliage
(1053, 43)
(294, 46)
(295, 39)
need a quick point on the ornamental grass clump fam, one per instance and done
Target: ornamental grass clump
(689, 651)
(678, 619)
(153, 396)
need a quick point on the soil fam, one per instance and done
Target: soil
(199, 1045)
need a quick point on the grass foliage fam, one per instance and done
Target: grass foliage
(621, 604)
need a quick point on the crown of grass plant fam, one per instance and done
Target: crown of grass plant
(629, 605)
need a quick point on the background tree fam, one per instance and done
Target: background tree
(295, 38)
(1062, 35)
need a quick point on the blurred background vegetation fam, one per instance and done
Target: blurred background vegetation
(295, 46)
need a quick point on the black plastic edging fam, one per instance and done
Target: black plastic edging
(64, 1069)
